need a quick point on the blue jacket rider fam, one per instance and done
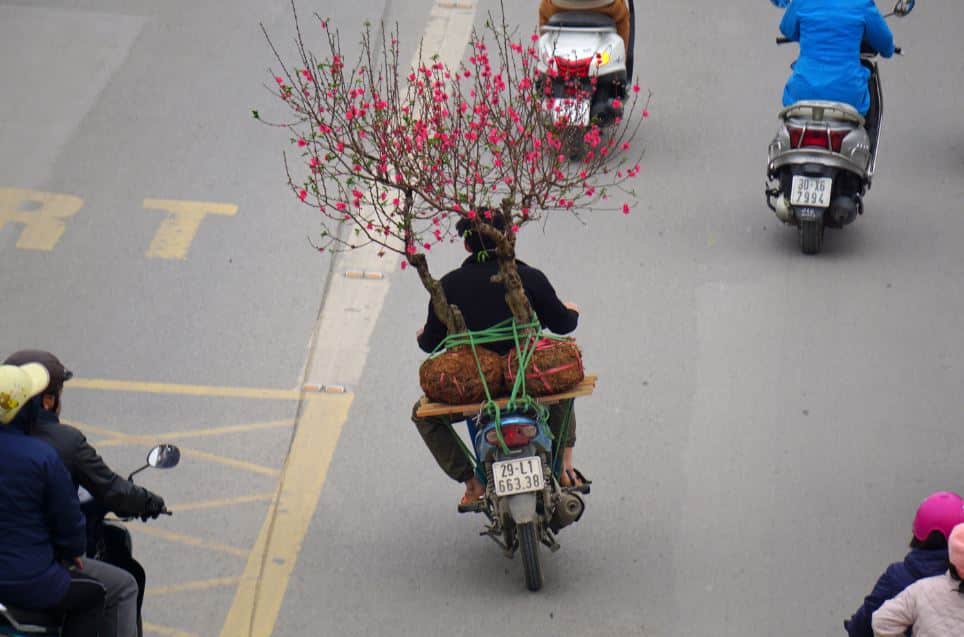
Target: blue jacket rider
(830, 33)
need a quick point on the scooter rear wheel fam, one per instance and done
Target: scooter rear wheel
(811, 236)
(529, 546)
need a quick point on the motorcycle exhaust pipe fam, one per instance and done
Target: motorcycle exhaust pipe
(782, 208)
(569, 509)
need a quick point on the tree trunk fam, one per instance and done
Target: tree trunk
(515, 295)
(449, 314)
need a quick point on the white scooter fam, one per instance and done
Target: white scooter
(584, 69)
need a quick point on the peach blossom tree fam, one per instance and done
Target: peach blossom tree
(392, 157)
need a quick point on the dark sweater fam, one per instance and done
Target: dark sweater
(483, 303)
(40, 521)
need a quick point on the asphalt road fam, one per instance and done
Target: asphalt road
(765, 422)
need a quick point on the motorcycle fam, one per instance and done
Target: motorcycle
(113, 543)
(822, 161)
(524, 503)
(583, 69)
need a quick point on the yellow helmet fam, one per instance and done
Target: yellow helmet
(18, 385)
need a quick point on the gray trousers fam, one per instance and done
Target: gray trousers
(441, 441)
(120, 603)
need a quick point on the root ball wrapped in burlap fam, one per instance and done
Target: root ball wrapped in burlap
(555, 367)
(452, 377)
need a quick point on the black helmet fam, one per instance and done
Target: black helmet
(58, 373)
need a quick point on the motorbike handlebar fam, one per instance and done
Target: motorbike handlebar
(897, 49)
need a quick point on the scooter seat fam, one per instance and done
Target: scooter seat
(581, 20)
(823, 110)
(25, 619)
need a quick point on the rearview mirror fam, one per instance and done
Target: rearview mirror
(904, 7)
(164, 456)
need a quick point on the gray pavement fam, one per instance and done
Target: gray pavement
(765, 423)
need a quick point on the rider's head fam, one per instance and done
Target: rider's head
(475, 242)
(19, 384)
(58, 374)
(936, 516)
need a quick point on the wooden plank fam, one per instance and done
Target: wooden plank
(427, 409)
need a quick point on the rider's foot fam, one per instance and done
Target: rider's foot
(474, 491)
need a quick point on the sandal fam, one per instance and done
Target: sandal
(577, 481)
(467, 505)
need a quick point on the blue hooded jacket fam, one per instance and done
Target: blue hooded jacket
(830, 33)
(40, 519)
(918, 564)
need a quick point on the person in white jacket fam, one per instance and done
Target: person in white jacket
(934, 606)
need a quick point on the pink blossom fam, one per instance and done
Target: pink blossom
(302, 143)
(617, 103)
(279, 80)
(635, 88)
(340, 206)
(625, 208)
(645, 113)
(625, 146)
(404, 264)
(534, 37)
(302, 194)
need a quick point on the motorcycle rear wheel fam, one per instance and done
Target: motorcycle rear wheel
(529, 546)
(811, 236)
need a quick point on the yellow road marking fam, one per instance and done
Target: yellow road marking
(229, 462)
(174, 237)
(261, 592)
(184, 390)
(167, 632)
(44, 223)
(217, 504)
(189, 540)
(120, 439)
(186, 587)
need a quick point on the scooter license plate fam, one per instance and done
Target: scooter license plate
(811, 191)
(518, 476)
(568, 111)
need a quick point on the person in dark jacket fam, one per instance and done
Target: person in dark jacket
(41, 526)
(936, 517)
(111, 492)
(483, 305)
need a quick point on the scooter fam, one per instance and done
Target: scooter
(583, 70)
(524, 503)
(115, 538)
(822, 161)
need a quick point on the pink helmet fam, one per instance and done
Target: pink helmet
(940, 511)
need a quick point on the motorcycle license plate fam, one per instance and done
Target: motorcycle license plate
(573, 112)
(518, 476)
(811, 191)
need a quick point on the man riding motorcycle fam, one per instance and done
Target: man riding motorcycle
(615, 9)
(110, 491)
(483, 305)
(42, 533)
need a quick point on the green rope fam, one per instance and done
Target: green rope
(519, 399)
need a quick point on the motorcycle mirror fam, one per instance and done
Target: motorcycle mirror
(903, 7)
(164, 456)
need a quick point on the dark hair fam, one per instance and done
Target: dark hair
(474, 240)
(934, 541)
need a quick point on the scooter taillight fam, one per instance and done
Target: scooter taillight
(801, 137)
(573, 68)
(514, 435)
